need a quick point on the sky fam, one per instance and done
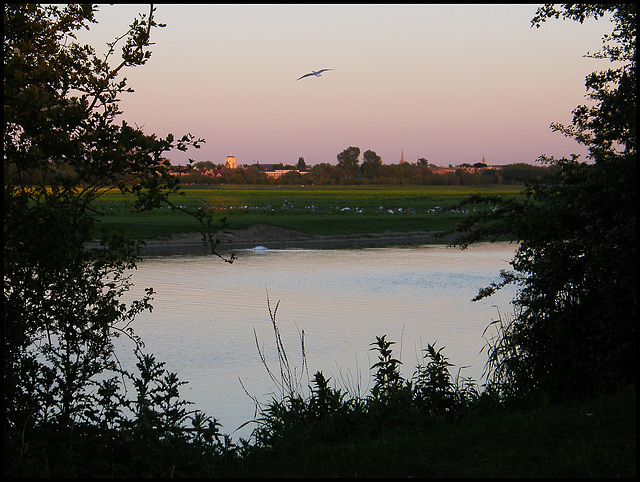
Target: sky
(449, 83)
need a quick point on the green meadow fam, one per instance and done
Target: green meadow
(312, 210)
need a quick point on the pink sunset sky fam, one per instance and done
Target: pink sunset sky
(449, 83)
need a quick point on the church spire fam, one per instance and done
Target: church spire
(402, 161)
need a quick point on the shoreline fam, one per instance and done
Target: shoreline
(272, 237)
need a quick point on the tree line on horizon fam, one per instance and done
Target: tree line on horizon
(350, 171)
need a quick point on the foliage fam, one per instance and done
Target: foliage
(434, 425)
(287, 380)
(371, 164)
(592, 437)
(574, 330)
(372, 171)
(148, 434)
(301, 165)
(348, 161)
(329, 414)
(388, 381)
(525, 173)
(65, 391)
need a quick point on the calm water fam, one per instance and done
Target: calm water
(206, 311)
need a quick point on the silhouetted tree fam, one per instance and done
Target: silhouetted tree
(64, 398)
(371, 163)
(301, 165)
(348, 160)
(574, 330)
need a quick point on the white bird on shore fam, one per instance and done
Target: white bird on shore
(317, 73)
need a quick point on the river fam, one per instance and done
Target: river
(207, 315)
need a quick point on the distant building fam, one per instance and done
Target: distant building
(230, 162)
(480, 165)
(271, 171)
(443, 170)
(275, 174)
(402, 161)
(465, 167)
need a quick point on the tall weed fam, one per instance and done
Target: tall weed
(298, 417)
(435, 390)
(288, 379)
(505, 360)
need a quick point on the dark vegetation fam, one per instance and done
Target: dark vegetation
(420, 173)
(559, 397)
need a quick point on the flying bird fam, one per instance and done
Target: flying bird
(317, 73)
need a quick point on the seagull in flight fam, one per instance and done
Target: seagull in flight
(317, 73)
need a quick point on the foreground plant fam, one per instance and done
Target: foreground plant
(295, 418)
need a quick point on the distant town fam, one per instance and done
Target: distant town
(350, 170)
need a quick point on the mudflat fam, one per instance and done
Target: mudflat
(273, 237)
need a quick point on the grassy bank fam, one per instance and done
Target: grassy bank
(593, 437)
(312, 210)
(437, 425)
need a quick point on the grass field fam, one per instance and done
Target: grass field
(312, 210)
